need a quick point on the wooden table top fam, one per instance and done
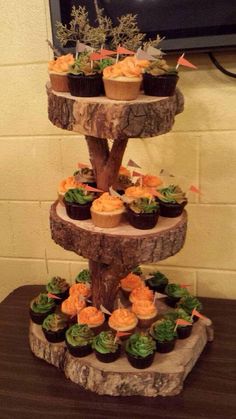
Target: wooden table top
(30, 388)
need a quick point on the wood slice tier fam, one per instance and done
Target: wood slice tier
(123, 245)
(100, 117)
(165, 377)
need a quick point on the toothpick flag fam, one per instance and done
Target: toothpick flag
(137, 174)
(104, 310)
(82, 165)
(185, 285)
(184, 62)
(194, 189)
(106, 52)
(154, 51)
(132, 163)
(121, 50)
(96, 56)
(55, 297)
(80, 47)
(197, 314)
(91, 189)
(142, 55)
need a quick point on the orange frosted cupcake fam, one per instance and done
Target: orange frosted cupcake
(93, 317)
(123, 320)
(58, 70)
(151, 181)
(141, 293)
(69, 183)
(130, 282)
(107, 211)
(72, 305)
(80, 289)
(122, 80)
(135, 192)
(146, 312)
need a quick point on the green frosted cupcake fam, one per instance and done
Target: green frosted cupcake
(105, 346)
(79, 338)
(40, 307)
(140, 350)
(59, 287)
(54, 327)
(163, 331)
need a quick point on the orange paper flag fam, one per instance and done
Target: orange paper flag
(120, 334)
(185, 285)
(137, 174)
(182, 322)
(91, 189)
(95, 56)
(194, 189)
(104, 52)
(121, 50)
(184, 62)
(55, 297)
(197, 314)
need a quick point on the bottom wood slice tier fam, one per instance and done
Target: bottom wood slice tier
(165, 377)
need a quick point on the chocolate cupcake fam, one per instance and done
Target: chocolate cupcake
(79, 338)
(143, 213)
(174, 293)
(40, 307)
(78, 203)
(140, 350)
(172, 201)
(163, 332)
(105, 346)
(54, 327)
(59, 287)
(157, 281)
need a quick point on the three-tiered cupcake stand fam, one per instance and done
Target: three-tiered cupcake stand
(113, 253)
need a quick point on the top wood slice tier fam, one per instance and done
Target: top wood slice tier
(123, 245)
(100, 117)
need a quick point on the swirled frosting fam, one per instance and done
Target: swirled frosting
(69, 183)
(122, 318)
(129, 67)
(131, 281)
(80, 289)
(61, 64)
(107, 203)
(151, 181)
(91, 316)
(141, 293)
(138, 192)
(144, 308)
(72, 305)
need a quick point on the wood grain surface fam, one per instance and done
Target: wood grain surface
(30, 388)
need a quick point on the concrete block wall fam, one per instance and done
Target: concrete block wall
(35, 156)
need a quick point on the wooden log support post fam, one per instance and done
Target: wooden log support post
(106, 163)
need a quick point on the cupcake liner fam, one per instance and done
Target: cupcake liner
(163, 85)
(79, 351)
(121, 90)
(55, 337)
(142, 221)
(85, 86)
(59, 82)
(78, 211)
(140, 363)
(106, 220)
(110, 357)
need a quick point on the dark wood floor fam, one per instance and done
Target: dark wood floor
(30, 388)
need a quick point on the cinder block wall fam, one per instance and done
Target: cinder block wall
(35, 156)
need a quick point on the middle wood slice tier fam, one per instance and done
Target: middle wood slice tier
(114, 252)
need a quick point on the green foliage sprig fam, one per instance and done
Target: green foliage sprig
(78, 196)
(144, 205)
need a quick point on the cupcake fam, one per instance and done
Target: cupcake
(122, 80)
(107, 211)
(163, 332)
(105, 346)
(54, 327)
(84, 277)
(157, 281)
(124, 180)
(78, 203)
(79, 338)
(141, 293)
(146, 312)
(86, 175)
(150, 181)
(159, 79)
(59, 287)
(140, 350)
(172, 201)
(184, 324)
(72, 305)
(93, 317)
(80, 289)
(69, 183)
(123, 320)
(143, 213)
(40, 307)
(58, 70)
(174, 292)
(129, 282)
(135, 192)
(84, 80)
(188, 303)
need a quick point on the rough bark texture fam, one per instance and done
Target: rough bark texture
(124, 250)
(106, 163)
(165, 377)
(100, 117)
